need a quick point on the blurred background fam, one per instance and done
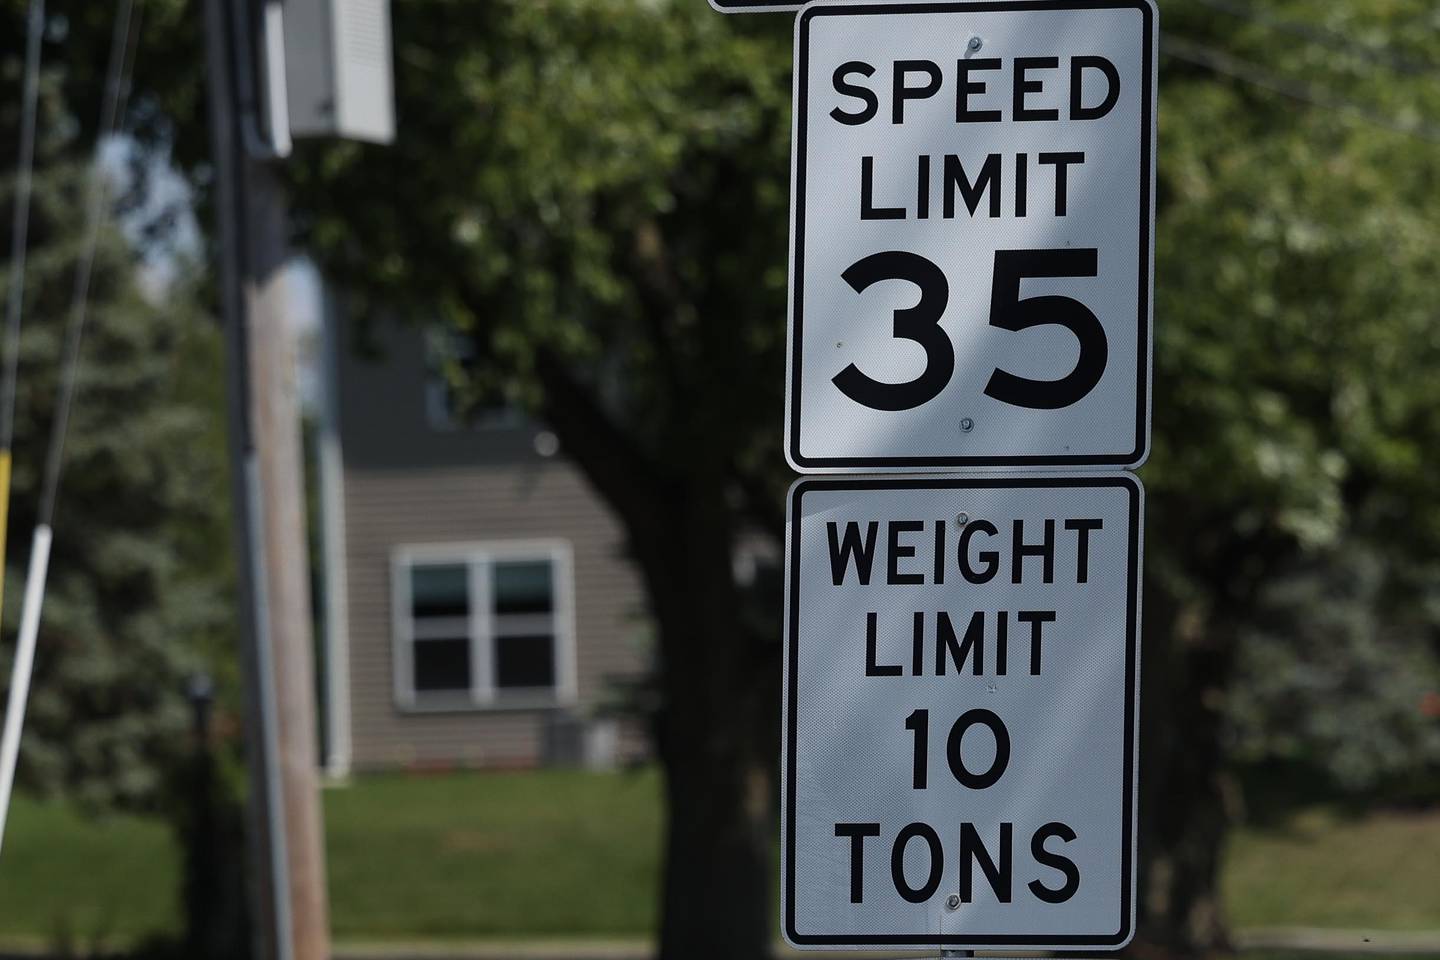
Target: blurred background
(423, 490)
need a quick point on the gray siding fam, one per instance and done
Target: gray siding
(551, 499)
(383, 379)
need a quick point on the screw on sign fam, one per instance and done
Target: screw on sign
(960, 711)
(973, 196)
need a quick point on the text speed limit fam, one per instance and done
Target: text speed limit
(971, 253)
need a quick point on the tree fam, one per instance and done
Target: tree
(606, 223)
(1294, 415)
(139, 594)
(138, 588)
(595, 191)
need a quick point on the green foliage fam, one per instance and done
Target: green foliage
(1334, 672)
(1297, 416)
(603, 180)
(137, 591)
(562, 167)
(600, 185)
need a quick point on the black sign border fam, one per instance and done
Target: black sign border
(1123, 935)
(1146, 254)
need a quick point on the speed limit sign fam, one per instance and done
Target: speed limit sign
(971, 252)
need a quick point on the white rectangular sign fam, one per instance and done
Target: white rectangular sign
(961, 680)
(972, 205)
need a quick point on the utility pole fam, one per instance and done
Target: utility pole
(286, 835)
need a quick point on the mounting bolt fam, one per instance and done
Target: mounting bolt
(966, 424)
(839, 344)
(952, 902)
(974, 44)
(962, 518)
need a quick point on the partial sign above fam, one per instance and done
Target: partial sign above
(972, 208)
(961, 675)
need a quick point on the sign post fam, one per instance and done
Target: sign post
(960, 711)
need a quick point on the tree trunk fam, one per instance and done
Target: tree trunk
(716, 890)
(1184, 810)
(716, 729)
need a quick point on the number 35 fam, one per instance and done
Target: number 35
(921, 324)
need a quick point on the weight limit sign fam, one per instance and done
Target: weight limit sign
(961, 677)
(972, 209)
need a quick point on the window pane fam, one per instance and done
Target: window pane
(440, 590)
(442, 664)
(451, 358)
(525, 661)
(523, 587)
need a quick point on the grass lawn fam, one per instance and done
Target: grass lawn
(1320, 870)
(546, 852)
(1311, 955)
(67, 878)
(560, 853)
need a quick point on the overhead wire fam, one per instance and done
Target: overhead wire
(124, 39)
(116, 93)
(1218, 61)
(1333, 39)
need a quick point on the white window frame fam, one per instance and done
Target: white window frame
(478, 558)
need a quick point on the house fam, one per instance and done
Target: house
(479, 608)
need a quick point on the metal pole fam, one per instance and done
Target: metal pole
(260, 816)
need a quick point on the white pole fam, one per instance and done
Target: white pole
(20, 674)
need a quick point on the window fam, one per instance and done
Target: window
(449, 355)
(483, 625)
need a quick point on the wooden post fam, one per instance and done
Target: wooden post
(285, 560)
(287, 844)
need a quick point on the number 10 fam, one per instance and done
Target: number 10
(918, 723)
